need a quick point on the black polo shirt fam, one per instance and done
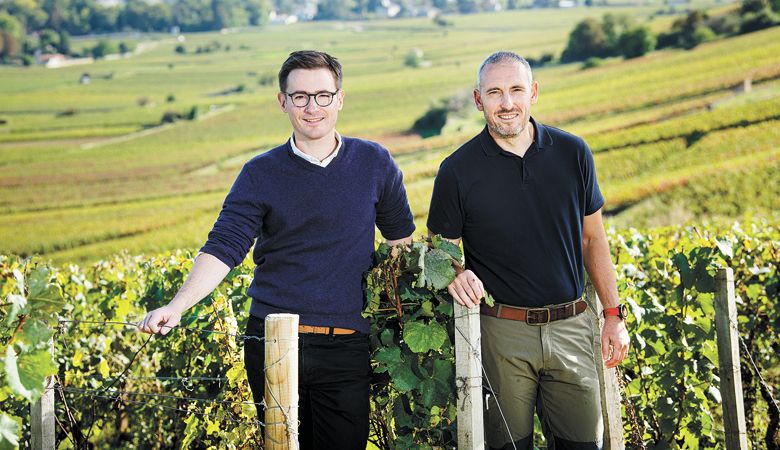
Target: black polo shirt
(520, 218)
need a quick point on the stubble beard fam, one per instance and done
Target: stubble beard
(506, 132)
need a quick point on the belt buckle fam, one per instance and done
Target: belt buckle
(533, 316)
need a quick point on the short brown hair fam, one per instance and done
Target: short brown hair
(309, 59)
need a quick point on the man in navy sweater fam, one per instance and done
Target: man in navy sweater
(311, 204)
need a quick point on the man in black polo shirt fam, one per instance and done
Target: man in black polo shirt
(524, 199)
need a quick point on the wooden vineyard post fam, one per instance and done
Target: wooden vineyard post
(608, 382)
(728, 358)
(281, 382)
(468, 378)
(42, 423)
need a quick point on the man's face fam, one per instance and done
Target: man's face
(505, 97)
(311, 122)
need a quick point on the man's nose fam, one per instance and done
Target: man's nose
(506, 101)
(312, 105)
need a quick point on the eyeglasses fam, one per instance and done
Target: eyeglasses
(302, 99)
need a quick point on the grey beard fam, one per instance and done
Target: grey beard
(496, 129)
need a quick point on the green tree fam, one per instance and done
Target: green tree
(11, 35)
(64, 46)
(334, 9)
(753, 6)
(755, 21)
(441, 5)
(226, 14)
(57, 12)
(193, 15)
(28, 12)
(48, 41)
(468, 6)
(636, 42)
(586, 40)
(78, 16)
(104, 18)
(257, 11)
(104, 47)
(614, 25)
(360, 8)
(143, 16)
(687, 32)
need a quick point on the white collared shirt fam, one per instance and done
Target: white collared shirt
(313, 160)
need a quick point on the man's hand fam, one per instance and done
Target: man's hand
(614, 341)
(467, 289)
(161, 320)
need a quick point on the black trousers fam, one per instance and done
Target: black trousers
(333, 383)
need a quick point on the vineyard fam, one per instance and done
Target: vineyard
(103, 204)
(90, 170)
(118, 388)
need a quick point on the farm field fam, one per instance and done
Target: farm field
(86, 170)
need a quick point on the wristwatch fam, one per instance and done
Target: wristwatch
(620, 310)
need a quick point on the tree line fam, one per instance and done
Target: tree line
(46, 25)
(618, 35)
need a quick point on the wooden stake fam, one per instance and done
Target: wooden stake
(42, 423)
(468, 378)
(728, 358)
(608, 382)
(281, 382)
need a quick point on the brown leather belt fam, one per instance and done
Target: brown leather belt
(535, 316)
(324, 330)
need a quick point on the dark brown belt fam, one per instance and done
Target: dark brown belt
(324, 330)
(535, 316)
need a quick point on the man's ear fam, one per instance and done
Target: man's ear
(478, 100)
(282, 100)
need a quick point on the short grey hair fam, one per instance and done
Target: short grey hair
(504, 57)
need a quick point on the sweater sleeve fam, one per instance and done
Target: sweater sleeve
(393, 214)
(239, 222)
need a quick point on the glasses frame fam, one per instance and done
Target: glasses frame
(310, 96)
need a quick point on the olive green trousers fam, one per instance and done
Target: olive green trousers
(550, 369)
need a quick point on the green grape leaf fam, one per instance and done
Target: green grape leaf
(450, 248)
(725, 247)
(686, 275)
(428, 390)
(44, 298)
(443, 371)
(404, 378)
(422, 338)
(426, 309)
(388, 358)
(445, 306)
(26, 373)
(439, 272)
(10, 428)
(190, 431)
(386, 337)
(34, 334)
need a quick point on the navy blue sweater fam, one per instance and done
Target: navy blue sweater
(314, 228)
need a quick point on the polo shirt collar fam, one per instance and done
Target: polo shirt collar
(491, 148)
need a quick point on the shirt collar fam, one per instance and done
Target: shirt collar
(313, 160)
(491, 148)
